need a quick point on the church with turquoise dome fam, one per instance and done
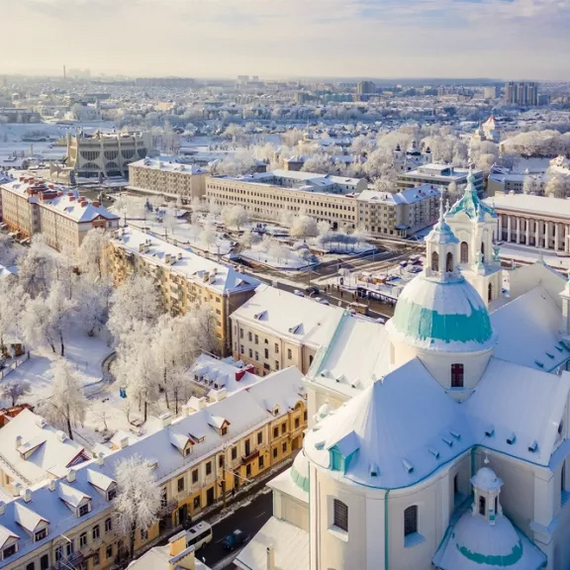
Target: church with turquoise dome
(438, 440)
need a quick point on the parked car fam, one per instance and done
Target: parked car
(312, 290)
(235, 540)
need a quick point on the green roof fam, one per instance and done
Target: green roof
(470, 202)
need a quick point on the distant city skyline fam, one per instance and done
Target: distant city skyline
(504, 39)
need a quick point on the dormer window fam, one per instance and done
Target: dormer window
(111, 493)
(84, 509)
(9, 551)
(224, 430)
(40, 534)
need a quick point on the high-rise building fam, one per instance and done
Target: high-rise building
(366, 88)
(521, 93)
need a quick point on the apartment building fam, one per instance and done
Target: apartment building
(440, 175)
(168, 178)
(70, 522)
(105, 154)
(276, 329)
(31, 206)
(184, 278)
(403, 213)
(524, 93)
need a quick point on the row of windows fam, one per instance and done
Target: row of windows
(340, 518)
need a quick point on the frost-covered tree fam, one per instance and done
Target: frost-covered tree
(234, 216)
(557, 185)
(46, 320)
(246, 239)
(12, 303)
(8, 253)
(93, 303)
(91, 253)
(133, 302)
(35, 267)
(303, 227)
(67, 404)
(13, 390)
(208, 237)
(138, 497)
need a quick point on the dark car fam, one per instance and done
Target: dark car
(312, 290)
(235, 540)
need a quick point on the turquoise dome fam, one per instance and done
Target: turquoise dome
(442, 315)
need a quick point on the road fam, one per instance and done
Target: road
(248, 518)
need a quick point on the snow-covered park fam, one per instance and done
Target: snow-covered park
(62, 310)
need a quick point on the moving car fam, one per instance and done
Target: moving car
(235, 540)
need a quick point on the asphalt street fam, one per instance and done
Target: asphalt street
(248, 518)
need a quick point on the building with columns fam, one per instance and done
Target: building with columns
(535, 221)
(439, 440)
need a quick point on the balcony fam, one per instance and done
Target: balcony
(169, 507)
(247, 458)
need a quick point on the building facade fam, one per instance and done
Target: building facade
(31, 206)
(168, 178)
(105, 155)
(440, 175)
(184, 279)
(535, 221)
(276, 329)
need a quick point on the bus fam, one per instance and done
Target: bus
(199, 535)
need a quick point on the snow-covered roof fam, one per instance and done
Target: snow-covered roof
(42, 449)
(406, 196)
(527, 331)
(395, 433)
(518, 405)
(290, 542)
(223, 374)
(469, 204)
(168, 165)
(443, 172)
(357, 355)
(529, 204)
(59, 199)
(289, 316)
(313, 176)
(473, 544)
(222, 279)
(245, 410)
(159, 558)
(442, 315)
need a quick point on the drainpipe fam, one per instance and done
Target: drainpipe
(386, 557)
(472, 462)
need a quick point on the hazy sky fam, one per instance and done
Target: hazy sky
(510, 39)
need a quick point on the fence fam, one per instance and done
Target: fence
(14, 364)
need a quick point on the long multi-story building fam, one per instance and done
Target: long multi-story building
(184, 278)
(31, 206)
(70, 522)
(105, 154)
(440, 175)
(167, 178)
(379, 213)
(535, 221)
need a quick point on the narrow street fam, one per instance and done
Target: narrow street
(249, 518)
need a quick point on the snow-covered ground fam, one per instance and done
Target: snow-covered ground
(185, 234)
(84, 353)
(280, 257)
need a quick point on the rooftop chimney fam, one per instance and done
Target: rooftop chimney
(71, 475)
(270, 551)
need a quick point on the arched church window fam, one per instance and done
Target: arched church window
(435, 261)
(482, 252)
(496, 504)
(482, 505)
(457, 375)
(411, 520)
(449, 262)
(490, 292)
(464, 252)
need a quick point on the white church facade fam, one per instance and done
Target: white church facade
(439, 440)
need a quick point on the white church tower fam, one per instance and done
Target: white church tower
(473, 223)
